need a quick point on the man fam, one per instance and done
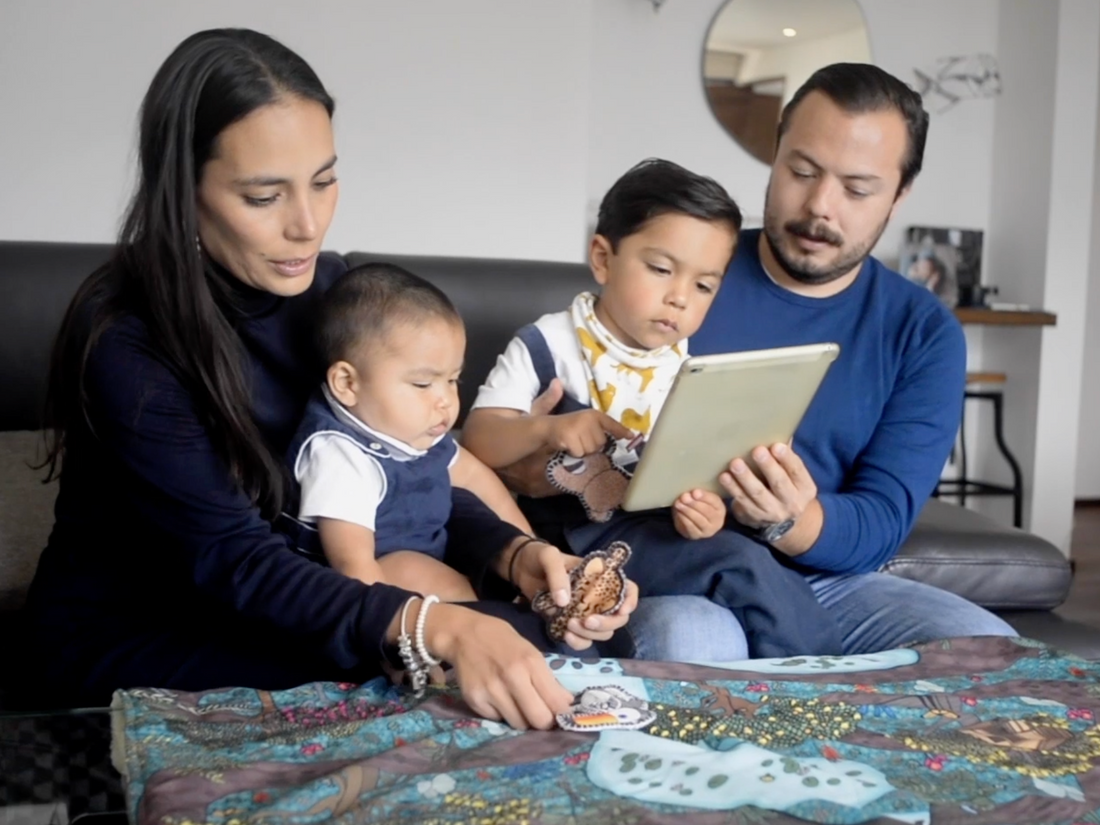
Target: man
(843, 498)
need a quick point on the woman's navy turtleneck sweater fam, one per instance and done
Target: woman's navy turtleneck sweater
(157, 559)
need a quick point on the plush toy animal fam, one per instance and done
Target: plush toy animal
(595, 479)
(597, 584)
(606, 706)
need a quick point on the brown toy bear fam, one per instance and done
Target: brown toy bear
(595, 479)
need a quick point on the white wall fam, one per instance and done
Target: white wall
(953, 188)
(475, 128)
(461, 127)
(1040, 239)
(1067, 268)
(1088, 439)
(491, 127)
(1016, 240)
(647, 99)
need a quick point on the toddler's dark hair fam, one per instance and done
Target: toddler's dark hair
(658, 187)
(363, 305)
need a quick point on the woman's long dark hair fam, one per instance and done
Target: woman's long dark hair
(158, 272)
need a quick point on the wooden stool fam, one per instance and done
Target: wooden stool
(963, 486)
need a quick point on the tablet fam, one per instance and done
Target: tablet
(721, 407)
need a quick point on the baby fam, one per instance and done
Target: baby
(373, 458)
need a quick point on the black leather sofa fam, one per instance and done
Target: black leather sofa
(1017, 574)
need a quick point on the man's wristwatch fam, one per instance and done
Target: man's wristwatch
(770, 531)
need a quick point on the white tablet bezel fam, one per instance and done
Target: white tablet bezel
(721, 407)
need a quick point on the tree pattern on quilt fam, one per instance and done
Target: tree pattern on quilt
(976, 730)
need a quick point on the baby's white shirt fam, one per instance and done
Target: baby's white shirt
(339, 480)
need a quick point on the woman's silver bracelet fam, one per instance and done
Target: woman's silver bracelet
(416, 670)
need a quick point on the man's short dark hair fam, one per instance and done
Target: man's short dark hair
(367, 301)
(659, 187)
(861, 87)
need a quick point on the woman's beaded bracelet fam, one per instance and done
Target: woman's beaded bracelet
(421, 648)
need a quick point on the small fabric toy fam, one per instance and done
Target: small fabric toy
(607, 707)
(597, 584)
(596, 479)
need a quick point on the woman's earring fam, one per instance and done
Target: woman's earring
(198, 243)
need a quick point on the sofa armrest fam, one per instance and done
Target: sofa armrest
(1065, 634)
(26, 513)
(990, 564)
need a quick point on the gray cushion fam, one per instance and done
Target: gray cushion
(990, 564)
(26, 513)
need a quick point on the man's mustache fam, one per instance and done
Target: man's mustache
(814, 232)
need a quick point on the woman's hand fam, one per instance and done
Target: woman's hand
(502, 676)
(542, 566)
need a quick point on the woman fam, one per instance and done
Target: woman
(178, 378)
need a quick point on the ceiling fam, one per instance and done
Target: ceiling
(759, 24)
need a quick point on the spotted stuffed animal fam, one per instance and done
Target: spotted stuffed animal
(598, 586)
(595, 479)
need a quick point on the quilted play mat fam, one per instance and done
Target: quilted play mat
(971, 730)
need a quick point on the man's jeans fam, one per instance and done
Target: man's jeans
(875, 611)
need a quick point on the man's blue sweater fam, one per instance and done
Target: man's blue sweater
(879, 430)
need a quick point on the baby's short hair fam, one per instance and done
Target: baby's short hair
(363, 305)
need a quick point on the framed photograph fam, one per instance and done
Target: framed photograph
(944, 260)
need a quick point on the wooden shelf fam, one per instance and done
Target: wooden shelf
(986, 378)
(1005, 317)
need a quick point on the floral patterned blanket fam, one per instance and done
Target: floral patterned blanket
(973, 730)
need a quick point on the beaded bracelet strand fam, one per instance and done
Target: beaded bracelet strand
(421, 619)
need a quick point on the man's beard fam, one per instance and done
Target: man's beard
(808, 273)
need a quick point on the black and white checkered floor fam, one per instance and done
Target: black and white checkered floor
(58, 758)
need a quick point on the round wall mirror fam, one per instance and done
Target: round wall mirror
(758, 52)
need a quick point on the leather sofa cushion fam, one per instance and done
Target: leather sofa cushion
(951, 548)
(996, 566)
(39, 279)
